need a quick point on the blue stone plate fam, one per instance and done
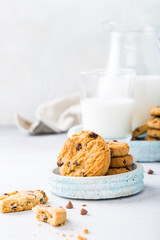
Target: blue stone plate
(142, 151)
(103, 187)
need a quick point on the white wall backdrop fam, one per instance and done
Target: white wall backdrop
(45, 43)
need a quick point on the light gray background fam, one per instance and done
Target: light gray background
(45, 43)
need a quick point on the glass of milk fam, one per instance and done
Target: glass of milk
(107, 102)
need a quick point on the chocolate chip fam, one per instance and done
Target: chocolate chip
(128, 169)
(124, 161)
(134, 139)
(150, 171)
(84, 175)
(14, 208)
(69, 205)
(31, 194)
(78, 146)
(41, 200)
(60, 163)
(114, 141)
(83, 211)
(5, 194)
(137, 130)
(45, 219)
(69, 164)
(75, 163)
(93, 135)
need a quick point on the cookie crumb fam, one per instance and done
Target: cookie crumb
(84, 205)
(39, 224)
(69, 205)
(71, 235)
(85, 231)
(83, 211)
(63, 235)
(150, 171)
(57, 233)
(79, 237)
(71, 229)
(65, 223)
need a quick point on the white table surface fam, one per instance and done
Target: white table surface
(25, 164)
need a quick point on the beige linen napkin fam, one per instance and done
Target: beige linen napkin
(53, 117)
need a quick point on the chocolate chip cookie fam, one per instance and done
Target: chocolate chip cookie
(113, 171)
(52, 215)
(85, 154)
(139, 130)
(118, 149)
(154, 122)
(148, 138)
(152, 132)
(21, 201)
(124, 161)
(155, 111)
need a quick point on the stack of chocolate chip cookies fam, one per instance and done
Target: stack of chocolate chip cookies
(87, 154)
(121, 160)
(153, 124)
(151, 127)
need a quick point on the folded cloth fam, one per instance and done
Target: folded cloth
(53, 117)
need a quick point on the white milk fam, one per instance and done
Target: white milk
(147, 94)
(109, 118)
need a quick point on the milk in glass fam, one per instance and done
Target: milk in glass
(110, 112)
(110, 118)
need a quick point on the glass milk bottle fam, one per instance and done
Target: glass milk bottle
(137, 47)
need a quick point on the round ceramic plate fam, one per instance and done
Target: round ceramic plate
(142, 151)
(102, 187)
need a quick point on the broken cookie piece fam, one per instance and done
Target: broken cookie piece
(85, 231)
(79, 237)
(21, 201)
(53, 216)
